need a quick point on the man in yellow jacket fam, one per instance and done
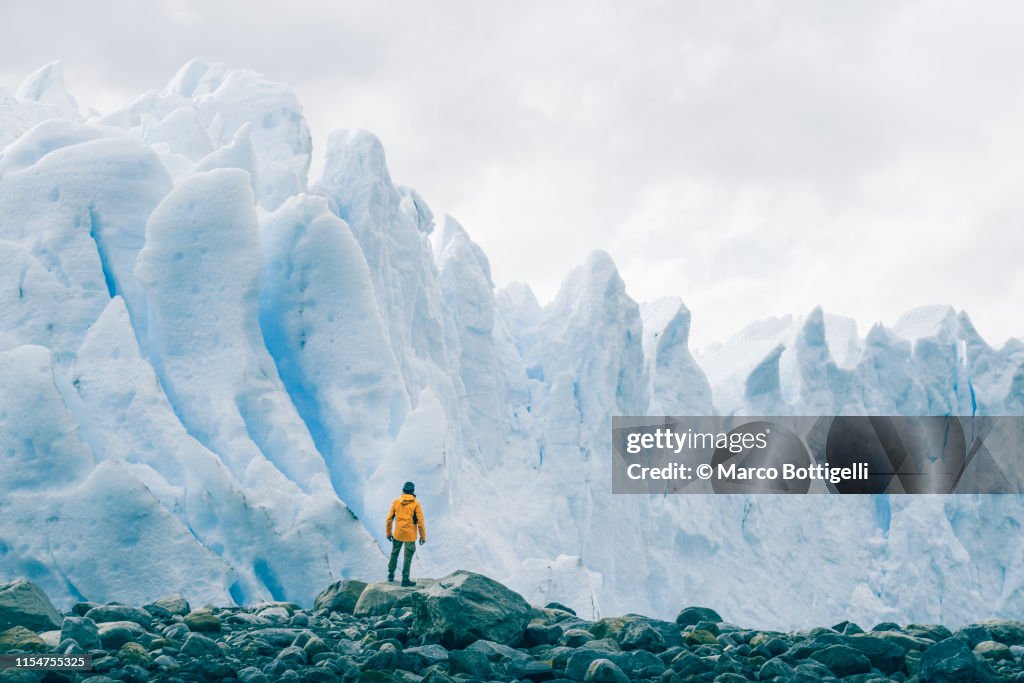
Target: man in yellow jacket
(407, 516)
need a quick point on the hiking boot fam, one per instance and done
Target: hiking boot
(391, 578)
(406, 582)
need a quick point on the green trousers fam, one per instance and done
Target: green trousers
(396, 547)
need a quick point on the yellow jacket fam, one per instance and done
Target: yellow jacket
(402, 511)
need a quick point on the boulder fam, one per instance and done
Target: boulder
(378, 599)
(575, 637)
(539, 633)
(990, 649)
(114, 634)
(340, 596)
(464, 607)
(579, 662)
(604, 671)
(133, 653)
(82, 630)
(843, 660)
(691, 616)
(531, 670)
(639, 635)
(426, 655)
(20, 638)
(469, 662)
(642, 664)
(885, 654)
(701, 637)
(202, 620)
(1006, 632)
(175, 604)
(496, 652)
(197, 645)
(951, 661)
(22, 603)
(559, 606)
(114, 612)
(933, 632)
(613, 627)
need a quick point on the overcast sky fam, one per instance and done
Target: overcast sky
(753, 158)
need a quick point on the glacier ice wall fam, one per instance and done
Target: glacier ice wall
(215, 374)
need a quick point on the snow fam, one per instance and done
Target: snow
(215, 376)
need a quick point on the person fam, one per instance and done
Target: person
(407, 515)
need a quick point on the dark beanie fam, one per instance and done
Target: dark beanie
(409, 487)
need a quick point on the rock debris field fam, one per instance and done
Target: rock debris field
(466, 627)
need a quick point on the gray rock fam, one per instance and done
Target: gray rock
(579, 662)
(843, 660)
(973, 634)
(464, 607)
(198, 645)
(114, 634)
(559, 606)
(775, 667)
(933, 632)
(602, 644)
(288, 659)
(885, 655)
(20, 638)
(166, 663)
(250, 674)
(604, 671)
(496, 652)
(158, 612)
(82, 630)
(639, 635)
(107, 613)
(175, 604)
(643, 664)
(377, 599)
(384, 659)
(689, 664)
(539, 633)
(575, 637)
(133, 653)
(990, 649)
(531, 670)
(847, 628)
(1005, 632)
(437, 676)
(202, 620)
(176, 632)
(951, 661)
(315, 646)
(340, 596)
(470, 662)
(278, 637)
(691, 616)
(22, 603)
(426, 655)
(80, 608)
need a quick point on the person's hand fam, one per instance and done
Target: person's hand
(422, 541)
(391, 539)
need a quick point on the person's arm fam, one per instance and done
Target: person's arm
(387, 524)
(422, 523)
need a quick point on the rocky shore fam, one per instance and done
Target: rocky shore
(466, 627)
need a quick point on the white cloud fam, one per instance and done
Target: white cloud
(753, 158)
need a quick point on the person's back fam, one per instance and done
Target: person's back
(407, 516)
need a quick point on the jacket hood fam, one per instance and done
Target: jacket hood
(407, 498)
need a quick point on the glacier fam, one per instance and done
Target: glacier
(216, 372)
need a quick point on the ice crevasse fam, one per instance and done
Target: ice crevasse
(216, 372)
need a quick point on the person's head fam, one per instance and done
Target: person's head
(409, 487)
